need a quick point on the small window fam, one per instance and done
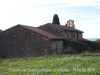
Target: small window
(62, 35)
(73, 35)
(67, 35)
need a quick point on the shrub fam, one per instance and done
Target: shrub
(79, 47)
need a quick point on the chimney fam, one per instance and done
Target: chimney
(70, 23)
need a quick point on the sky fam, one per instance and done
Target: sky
(85, 13)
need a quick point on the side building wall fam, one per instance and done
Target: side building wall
(80, 36)
(71, 35)
(20, 42)
(74, 36)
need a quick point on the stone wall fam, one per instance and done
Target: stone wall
(69, 35)
(80, 36)
(20, 42)
(56, 46)
(74, 36)
(66, 34)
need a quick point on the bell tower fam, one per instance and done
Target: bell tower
(70, 23)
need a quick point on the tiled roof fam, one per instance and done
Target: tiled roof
(41, 32)
(62, 27)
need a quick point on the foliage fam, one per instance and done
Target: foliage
(55, 19)
(51, 65)
(0, 30)
(79, 47)
(98, 41)
(92, 44)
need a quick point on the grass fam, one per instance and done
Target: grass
(51, 65)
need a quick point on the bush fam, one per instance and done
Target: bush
(79, 47)
(92, 44)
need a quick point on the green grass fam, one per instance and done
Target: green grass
(51, 65)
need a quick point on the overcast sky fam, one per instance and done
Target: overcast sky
(85, 13)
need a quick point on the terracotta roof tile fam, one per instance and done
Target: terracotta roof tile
(41, 32)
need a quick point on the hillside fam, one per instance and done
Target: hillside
(51, 65)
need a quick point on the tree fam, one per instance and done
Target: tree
(0, 30)
(98, 41)
(55, 19)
